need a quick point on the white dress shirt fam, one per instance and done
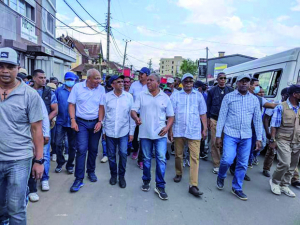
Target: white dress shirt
(45, 122)
(188, 108)
(117, 120)
(87, 100)
(153, 113)
(136, 88)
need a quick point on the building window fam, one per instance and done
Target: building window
(50, 23)
(162, 67)
(13, 4)
(172, 67)
(162, 62)
(162, 71)
(172, 62)
(172, 71)
(22, 7)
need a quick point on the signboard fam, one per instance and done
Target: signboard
(202, 67)
(219, 67)
(28, 30)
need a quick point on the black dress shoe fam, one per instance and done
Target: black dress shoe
(122, 182)
(113, 180)
(266, 173)
(177, 178)
(195, 191)
(296, 184)
(247, 178)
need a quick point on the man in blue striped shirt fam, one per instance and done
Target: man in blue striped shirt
(238, 109)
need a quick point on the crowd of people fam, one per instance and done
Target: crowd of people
(137, 119)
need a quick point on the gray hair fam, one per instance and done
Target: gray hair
(156, 76)
(92, 72)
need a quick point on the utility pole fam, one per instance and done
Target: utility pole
(206, 63)
(126, 41)
(150, 64)
(108, 31)
(131, 69)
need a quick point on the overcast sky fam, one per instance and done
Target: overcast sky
(167, 28)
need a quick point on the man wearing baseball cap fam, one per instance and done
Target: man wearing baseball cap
(21, 139)
(118, 128)
(190, 110)
(170, 84)
(237, 111)
(135, 89)
(63, 125)
(285, 127)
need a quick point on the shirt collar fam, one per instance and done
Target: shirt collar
(159, 93)
(193, 91)
(290, 104)
(20, 89)
(84, 85)
(238, 93)
(113, 93)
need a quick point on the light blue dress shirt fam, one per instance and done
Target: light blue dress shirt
(87, 100)
(117, 120)
(188, 108)
(153, 113)
(236, 115)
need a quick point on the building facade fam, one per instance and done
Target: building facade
(170, 66)
(28, 26)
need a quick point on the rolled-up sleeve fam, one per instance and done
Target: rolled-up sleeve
(169, 109)
(222, 116)
(276, 118)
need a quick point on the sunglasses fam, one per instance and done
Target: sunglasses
(188, 81)
(119, 82)
(126, 81)
(222, 78)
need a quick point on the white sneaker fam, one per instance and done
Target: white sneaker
(33, 197)
(216, 170)
(45, 185)
(54, 157)
(275, 188)
(288, 191)
(66, 157)
(104, 159)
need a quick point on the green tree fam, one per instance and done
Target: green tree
(189, 66)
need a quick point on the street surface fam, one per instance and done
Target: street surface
(101, 203)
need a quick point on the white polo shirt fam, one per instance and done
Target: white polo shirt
(153, 113)
(87, 100)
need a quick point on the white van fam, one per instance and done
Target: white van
(274, 72)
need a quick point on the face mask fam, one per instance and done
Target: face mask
(70, 83)
(256, 90)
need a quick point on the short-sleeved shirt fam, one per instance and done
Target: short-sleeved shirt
(87, 100)
(21, 108)
(136, 88)
(153, 113)
(53, 97)
(46, 122)
(188, 108)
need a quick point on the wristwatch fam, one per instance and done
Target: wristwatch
(40, 161)
(272, 140)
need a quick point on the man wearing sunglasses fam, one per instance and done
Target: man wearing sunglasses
(127, 84)
(118, 128)
(190, 110)
(214, 101)
(136, 88)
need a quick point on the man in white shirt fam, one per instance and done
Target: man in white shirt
(118, 128)
(87, 97)
(170, 84)
(190, 109)
(136, 88)
(154, 107)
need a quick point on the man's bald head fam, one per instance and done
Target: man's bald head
(93, 72)
(93, 78)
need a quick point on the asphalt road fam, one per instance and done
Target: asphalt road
(101, 203)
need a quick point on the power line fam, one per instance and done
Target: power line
(80, 17)
(137, 59)
(90, 14)
(198, 39)
(56, 19)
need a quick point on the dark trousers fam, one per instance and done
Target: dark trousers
(111, 145)
(60, 137)
(53, 140)
(136, 145)
(86, 140)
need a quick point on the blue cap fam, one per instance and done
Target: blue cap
(144, 70)
(70, 76)
(114, 77)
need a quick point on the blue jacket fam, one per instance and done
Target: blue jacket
(63, 117)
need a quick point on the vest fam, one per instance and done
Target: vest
(289, 129)
(46, 96)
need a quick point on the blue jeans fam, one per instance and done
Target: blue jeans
(112, 144)
(52, 141)
(160, 146)
(86, 140)
(235, 147)
(13, 187)
(104, 147)
(47, 161)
